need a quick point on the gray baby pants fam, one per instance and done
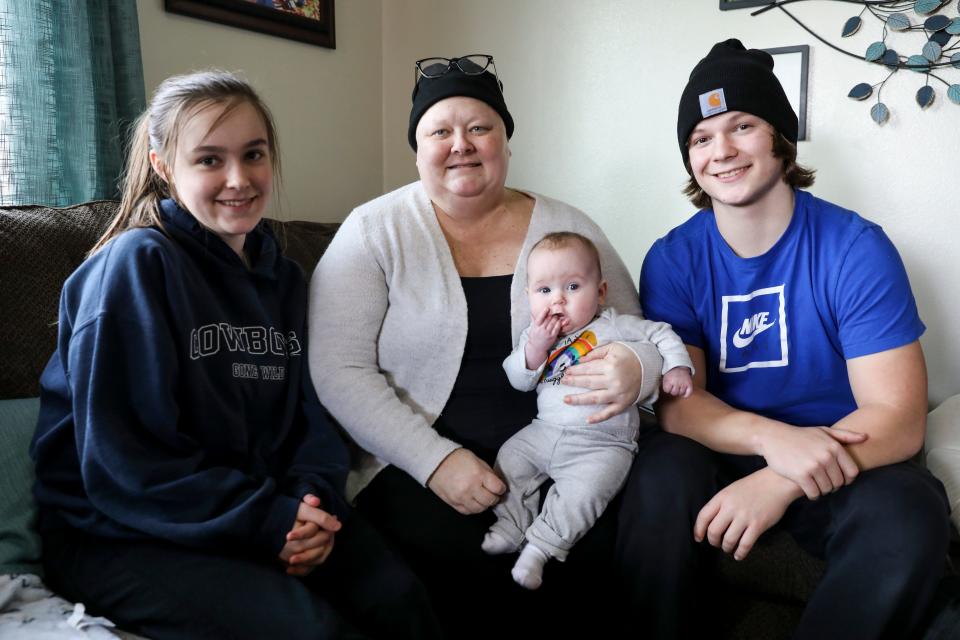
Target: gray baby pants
(589, 465)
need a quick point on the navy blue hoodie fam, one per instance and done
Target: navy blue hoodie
(178, 404)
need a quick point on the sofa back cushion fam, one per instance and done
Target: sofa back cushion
(39, 248)
(304, 242)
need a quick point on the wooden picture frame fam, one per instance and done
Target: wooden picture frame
(727, 5)
(308, 21)
(790, 65)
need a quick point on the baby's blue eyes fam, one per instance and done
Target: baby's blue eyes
(573, 286)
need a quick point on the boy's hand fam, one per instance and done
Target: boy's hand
(544, 329)
(813, 457)
(678, 382)
(310, 542)
(739, 514)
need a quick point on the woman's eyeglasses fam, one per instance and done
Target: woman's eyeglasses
(471, 65)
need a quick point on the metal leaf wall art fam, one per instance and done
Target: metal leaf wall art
(936, 26)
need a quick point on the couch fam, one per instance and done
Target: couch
(763, 596)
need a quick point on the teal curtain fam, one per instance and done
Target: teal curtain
(71, 83)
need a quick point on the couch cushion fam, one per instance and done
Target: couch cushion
(39, 248)
(19, 542)
(777, 568)
(942, 449)
(304, 242)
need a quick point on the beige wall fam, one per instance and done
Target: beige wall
(327, 102)
(593, 87)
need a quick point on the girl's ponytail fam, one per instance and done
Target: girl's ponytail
(142, 187)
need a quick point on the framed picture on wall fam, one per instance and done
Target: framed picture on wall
(790, 67)
(727, 5)
(304, 20)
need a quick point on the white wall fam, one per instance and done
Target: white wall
(593, 88)
(327, 102)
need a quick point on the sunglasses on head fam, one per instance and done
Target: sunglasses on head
(474, 64)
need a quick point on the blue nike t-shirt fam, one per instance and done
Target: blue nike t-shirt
(778, 328)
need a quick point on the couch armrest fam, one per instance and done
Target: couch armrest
(942, 451)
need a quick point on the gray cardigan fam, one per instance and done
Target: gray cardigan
(388, 325)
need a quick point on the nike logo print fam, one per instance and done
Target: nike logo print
(752, 327)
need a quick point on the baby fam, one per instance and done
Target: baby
(587, 462)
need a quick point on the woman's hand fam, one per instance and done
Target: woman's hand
(466, 483)
(310, 542)
(614, 375)
(813, 457)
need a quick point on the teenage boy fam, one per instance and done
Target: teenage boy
(810, 387)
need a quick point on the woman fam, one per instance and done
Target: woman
(413, 308)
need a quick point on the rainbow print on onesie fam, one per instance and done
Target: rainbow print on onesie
(568, 353)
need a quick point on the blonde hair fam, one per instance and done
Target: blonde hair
(564, 239)
(795, 175)
(158, 128)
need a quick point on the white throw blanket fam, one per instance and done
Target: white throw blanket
(30, 611)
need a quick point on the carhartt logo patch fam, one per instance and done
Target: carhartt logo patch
(712, 103)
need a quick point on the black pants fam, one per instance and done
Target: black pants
(884, 539)
(161, 590)
(473, 593)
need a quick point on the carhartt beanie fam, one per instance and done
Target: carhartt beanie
(733, 78)
(429, 91)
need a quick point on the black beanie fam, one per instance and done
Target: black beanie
(732, 78)
(429, 91)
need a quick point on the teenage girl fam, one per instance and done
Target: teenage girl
(189, 482)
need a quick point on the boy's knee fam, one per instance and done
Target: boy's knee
(901, 492)
(903, 509)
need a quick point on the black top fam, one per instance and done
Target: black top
(484, 410)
